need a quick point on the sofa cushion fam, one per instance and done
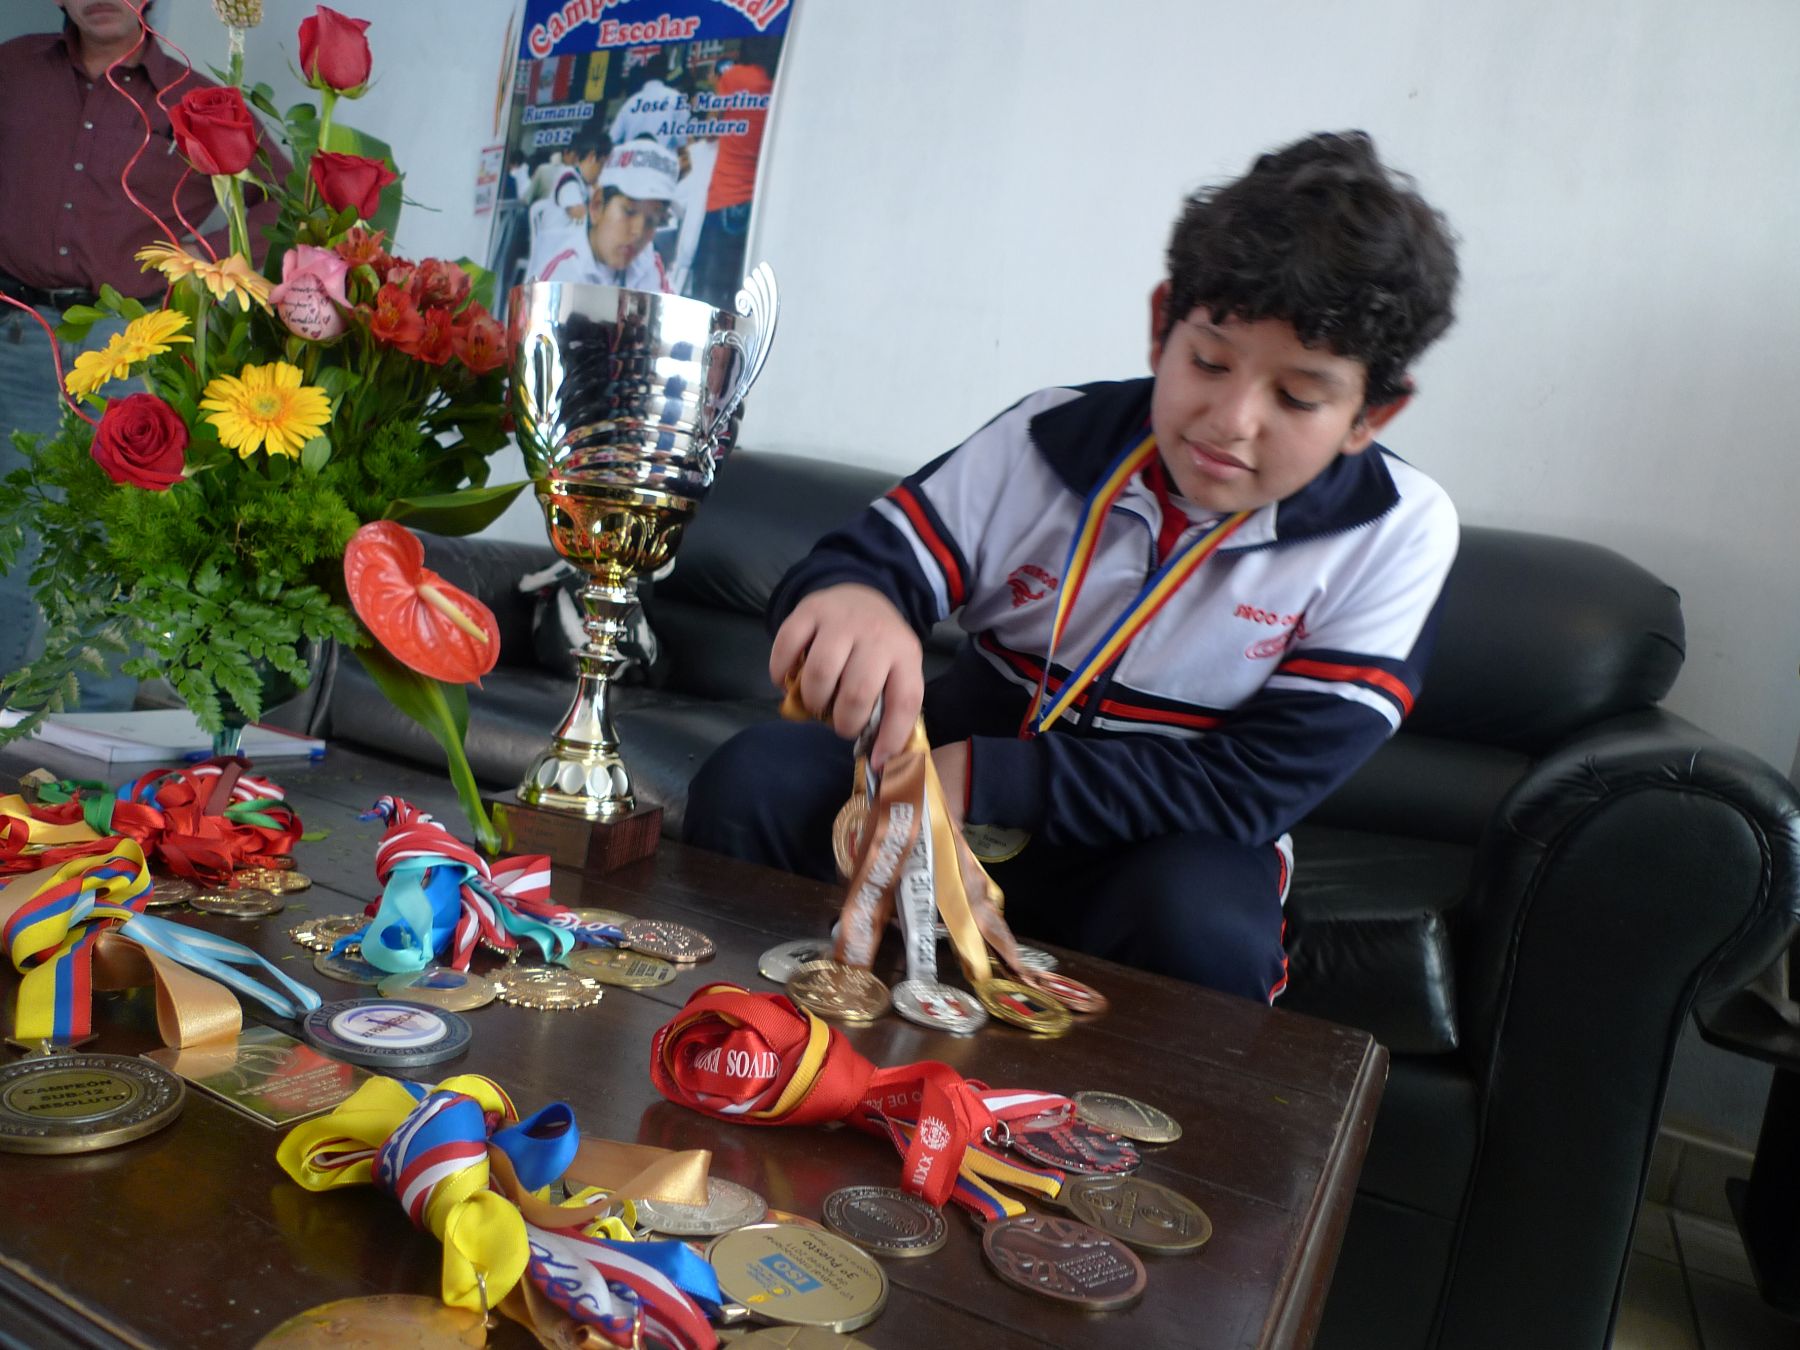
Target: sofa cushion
(1369, 934)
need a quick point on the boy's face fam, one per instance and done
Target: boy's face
(1246, 414)
(618, 231)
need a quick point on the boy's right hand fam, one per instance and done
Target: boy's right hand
(850, 647)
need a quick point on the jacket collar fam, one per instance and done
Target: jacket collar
(1080, 438)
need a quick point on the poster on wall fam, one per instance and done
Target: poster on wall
(633, 134)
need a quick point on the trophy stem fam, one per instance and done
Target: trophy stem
(582, 771)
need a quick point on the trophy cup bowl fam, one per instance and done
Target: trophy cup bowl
(625, 403)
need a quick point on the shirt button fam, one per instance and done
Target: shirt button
(79, 167)
(88, 125)
(64, 250)
(68, 206)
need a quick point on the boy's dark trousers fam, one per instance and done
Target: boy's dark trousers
(1193, 906)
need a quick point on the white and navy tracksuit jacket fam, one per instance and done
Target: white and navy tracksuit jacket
(1269, 677)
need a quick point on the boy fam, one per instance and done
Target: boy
(1184, 728)
(612, 247)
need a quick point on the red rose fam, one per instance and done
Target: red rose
(334, 54)
(436, 339)
(141, 442)
(480, 341)
(395, 320)
(349, 182)
(214, 129)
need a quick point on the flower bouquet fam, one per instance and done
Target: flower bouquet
(287, 415)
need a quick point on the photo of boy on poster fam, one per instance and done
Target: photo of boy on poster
(637, 127)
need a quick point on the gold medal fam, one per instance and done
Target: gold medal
(995, 843)
(1140, 1213)
(440, 987)
(546, 988)
(274, 880)
(171, 891)
(847, 832)
(1127, 1116)
(833, 990)
(1023, 1006)
(238, 902)
(671, 941)
(77, 1103)
(322, 931)
(799, 1276)
(610, 917)
(629, 970)
(379, 1321)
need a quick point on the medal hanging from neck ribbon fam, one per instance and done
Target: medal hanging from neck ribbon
(1155, 593)
(466, 1168)
(757, 1059)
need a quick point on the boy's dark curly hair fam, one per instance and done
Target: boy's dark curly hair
(1323, 235)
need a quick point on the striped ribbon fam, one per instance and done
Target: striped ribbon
(201, 821)
(467, 1169)
(52, 920)
(758, 1059)
(1155, 593)
(440, 898)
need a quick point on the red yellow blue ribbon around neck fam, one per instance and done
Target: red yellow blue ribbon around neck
(1156, 592)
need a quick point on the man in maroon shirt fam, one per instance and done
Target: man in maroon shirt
(66, 224)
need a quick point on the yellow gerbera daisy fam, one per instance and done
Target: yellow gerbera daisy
(266, 407)
(142, 339)
(232, 276)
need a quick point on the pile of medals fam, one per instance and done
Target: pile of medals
(755, 1059)
(905, 862)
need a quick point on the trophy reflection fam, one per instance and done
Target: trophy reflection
(624, 402)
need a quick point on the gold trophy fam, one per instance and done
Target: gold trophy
(624, 402)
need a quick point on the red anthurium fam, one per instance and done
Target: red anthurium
(422, 620)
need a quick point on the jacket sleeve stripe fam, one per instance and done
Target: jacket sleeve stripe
(928, 533)
(1370, 677)
(922, 556)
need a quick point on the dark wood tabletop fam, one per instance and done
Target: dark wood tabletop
(194, 1236)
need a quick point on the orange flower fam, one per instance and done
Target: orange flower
(423, 621)
(395, 319)
(481, 343)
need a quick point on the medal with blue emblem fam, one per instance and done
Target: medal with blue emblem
(386, 1033)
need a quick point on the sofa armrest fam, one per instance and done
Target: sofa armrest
(1639, 867)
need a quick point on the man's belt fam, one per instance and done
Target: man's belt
(59, 299)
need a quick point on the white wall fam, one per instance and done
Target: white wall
(967, 199)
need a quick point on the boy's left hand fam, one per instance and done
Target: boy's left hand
(952, 765)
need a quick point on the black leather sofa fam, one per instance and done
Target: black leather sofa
(1522, 896)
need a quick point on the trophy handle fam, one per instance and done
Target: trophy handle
(759, 303)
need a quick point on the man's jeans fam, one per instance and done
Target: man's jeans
(29, 403)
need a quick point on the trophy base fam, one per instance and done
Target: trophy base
(574, 841)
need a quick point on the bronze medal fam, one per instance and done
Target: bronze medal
(1064, 1260)
(1147, 1216)
(1075, 1146)
(886, 1221)
(1023, 1006)
(833, 990)
(671, 941)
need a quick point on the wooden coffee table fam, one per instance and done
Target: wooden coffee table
(194, 1236)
